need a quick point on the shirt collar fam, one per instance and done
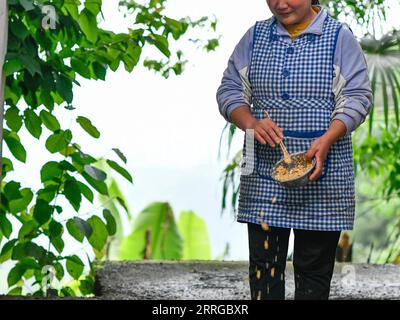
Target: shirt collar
(314, 27)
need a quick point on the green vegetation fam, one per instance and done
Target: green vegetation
(46, 55)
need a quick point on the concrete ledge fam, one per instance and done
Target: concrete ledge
(228, 280)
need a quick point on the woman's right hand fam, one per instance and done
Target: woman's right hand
(267, 131)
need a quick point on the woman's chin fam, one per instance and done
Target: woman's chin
(288, 19)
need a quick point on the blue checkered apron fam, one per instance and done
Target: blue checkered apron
(294, 83)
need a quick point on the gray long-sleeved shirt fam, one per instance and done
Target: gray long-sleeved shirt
(351, 85)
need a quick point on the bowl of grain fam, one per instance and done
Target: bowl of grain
(296, 177)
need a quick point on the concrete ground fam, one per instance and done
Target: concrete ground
(228, 280)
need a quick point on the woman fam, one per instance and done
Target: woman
(308, 71)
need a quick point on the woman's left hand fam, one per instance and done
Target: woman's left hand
(319, 148)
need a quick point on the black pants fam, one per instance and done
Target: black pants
(313, 262)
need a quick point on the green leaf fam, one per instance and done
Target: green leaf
(86, 191)
(74, 266)
(120, 154)
(166, 241)
(100, 70)
(100, 186)
(5, 225)
(79, 159)
(56, 229)
(50, 171)
(176, 27)
(7, 166)
(17, 291)
(7, 250)
(29, 273)
(30, 263)
(114, 64)
(67, 166)
(120, 170)
(59, 271)
(33, 123)
(211, 45)
(98, 238)
(86, 287)
(73, 193)
(15, 147)
(80, 67)
(115, 193)
(34, 250)
(132, 56)
(72, 9)
(74, 230)
(42, 211)
(49, 120)
(88, 24)
(21, 204)
(83, 226)
(87, 125)
(15, 274)
(64, 87)
(30, 64)
(68, 292)
(111, 223)
(46, 99)
(13, 119)
(18, 252)
(18, 29)
(57, 141)
(58, 243)
(195, 236)
(123, 204)
(11, 66)
(11, 190)
(27, 231)
(94, 6)
(95, 173)
(68, 151)
(59, 209)
(161, 43)
(48, 193)
(113, 53)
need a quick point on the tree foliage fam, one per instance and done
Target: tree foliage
(43, 64)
